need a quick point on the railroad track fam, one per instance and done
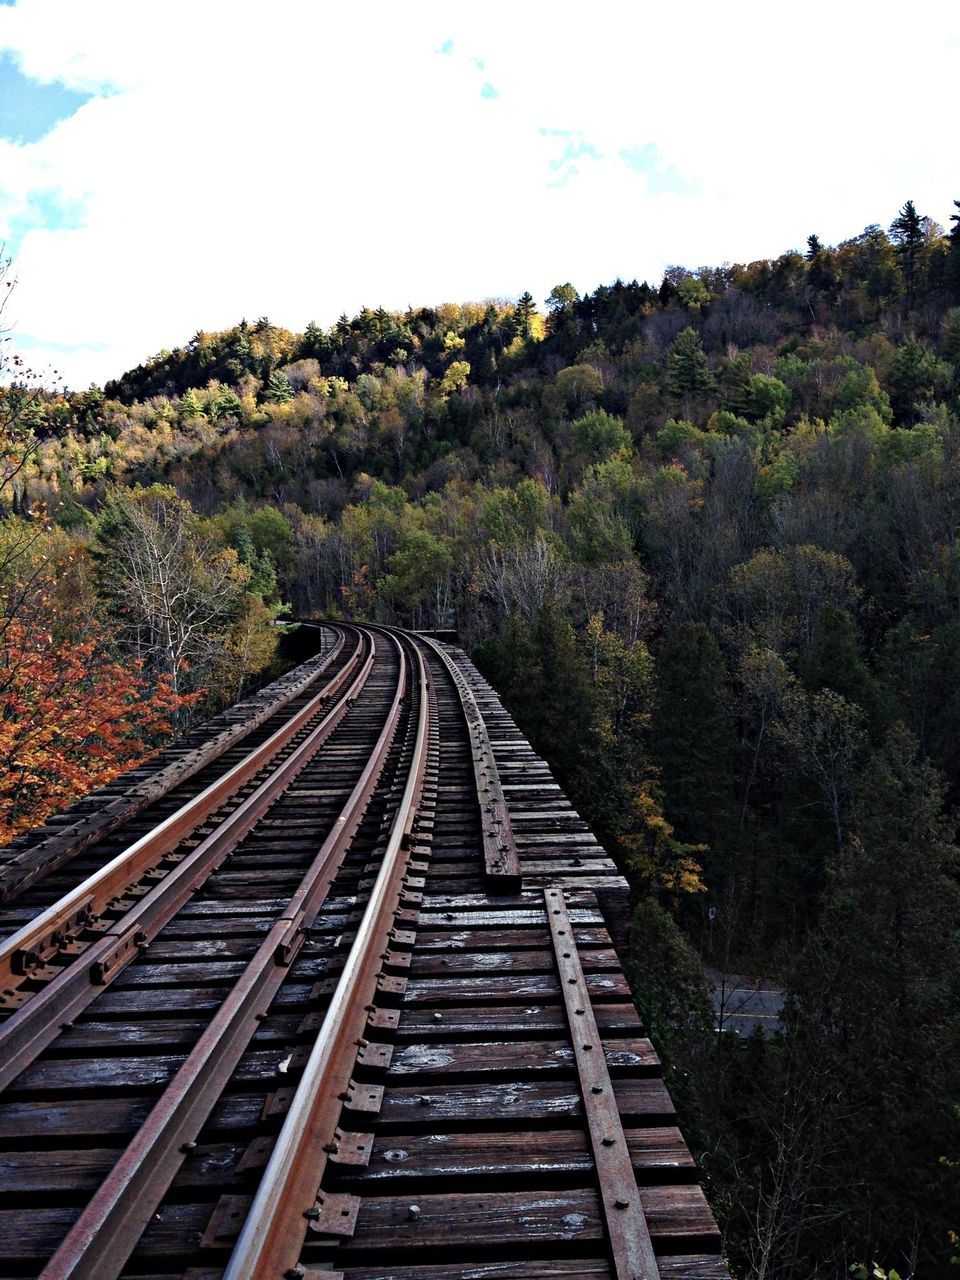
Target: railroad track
(344, 1002)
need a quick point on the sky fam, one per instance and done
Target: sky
(169, 167)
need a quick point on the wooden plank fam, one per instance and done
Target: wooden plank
(678, 1267)
(83, 1169)
(484, 1021)
(510, 1218)
(95, 1118)
(468, 917)
(516, 987)
(517, 1058)
(158, 1001)
(158, 1033)
(477, 963)
(503, 939)
(518, 1102)
(658, 1154)
(62, 1075)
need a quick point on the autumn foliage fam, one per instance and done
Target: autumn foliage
(71, 718)
(74, 711)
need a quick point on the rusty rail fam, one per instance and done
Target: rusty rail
(500, 859)
(630, 1245)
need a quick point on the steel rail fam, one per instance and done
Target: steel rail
(500, 858)
(50, 853)
(629, 1236)
(74, 987)
(102, 1238)
(272, 1235)
(40, 939)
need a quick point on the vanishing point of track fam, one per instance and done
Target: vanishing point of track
(331, 989)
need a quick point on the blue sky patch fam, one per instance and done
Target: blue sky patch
(446, 47)
(45, 210)
(575, 148)
(488, 91)
(661, 178)
(30, 109)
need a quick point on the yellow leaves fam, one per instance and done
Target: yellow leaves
(456, 377)
(653, 852)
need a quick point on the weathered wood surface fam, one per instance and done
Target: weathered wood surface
(676, 1215)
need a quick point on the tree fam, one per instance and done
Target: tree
(906, 231)
(875, 1003)
(72, 716)
(832, 659)
(524, 312)
(279, 390)
(691, 381)
(560, 297)
(599, 435)
(576, 390)
(776, 597)
(456, 377)
(915, 376)
(419, 576)
(522, 577)
(73, 711)
(693, 738)
(170, 592)
(19, 403)
(824, 734)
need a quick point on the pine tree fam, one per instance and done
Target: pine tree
(876, 1007)
(906, 232)
(693, 736)
(279, 390)
(523, 313)
(690, 378)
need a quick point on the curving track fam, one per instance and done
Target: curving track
(333, 993)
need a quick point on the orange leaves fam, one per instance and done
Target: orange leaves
(653, 851)
(71, 718)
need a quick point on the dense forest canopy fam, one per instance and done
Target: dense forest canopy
(705, 538)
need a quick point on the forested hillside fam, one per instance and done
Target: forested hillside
(704, 536)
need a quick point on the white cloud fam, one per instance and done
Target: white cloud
(304, 159)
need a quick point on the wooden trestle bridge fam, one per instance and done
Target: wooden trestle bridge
(331, 989)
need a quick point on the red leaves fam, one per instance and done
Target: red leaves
(71, 718)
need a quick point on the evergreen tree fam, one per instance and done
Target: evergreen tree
(915, 375)
(906, 231)
(953, 258)
(278, 390)
(690, 378)
(831, 659)
(524, 312)
(693, 739)
(876, 1006)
